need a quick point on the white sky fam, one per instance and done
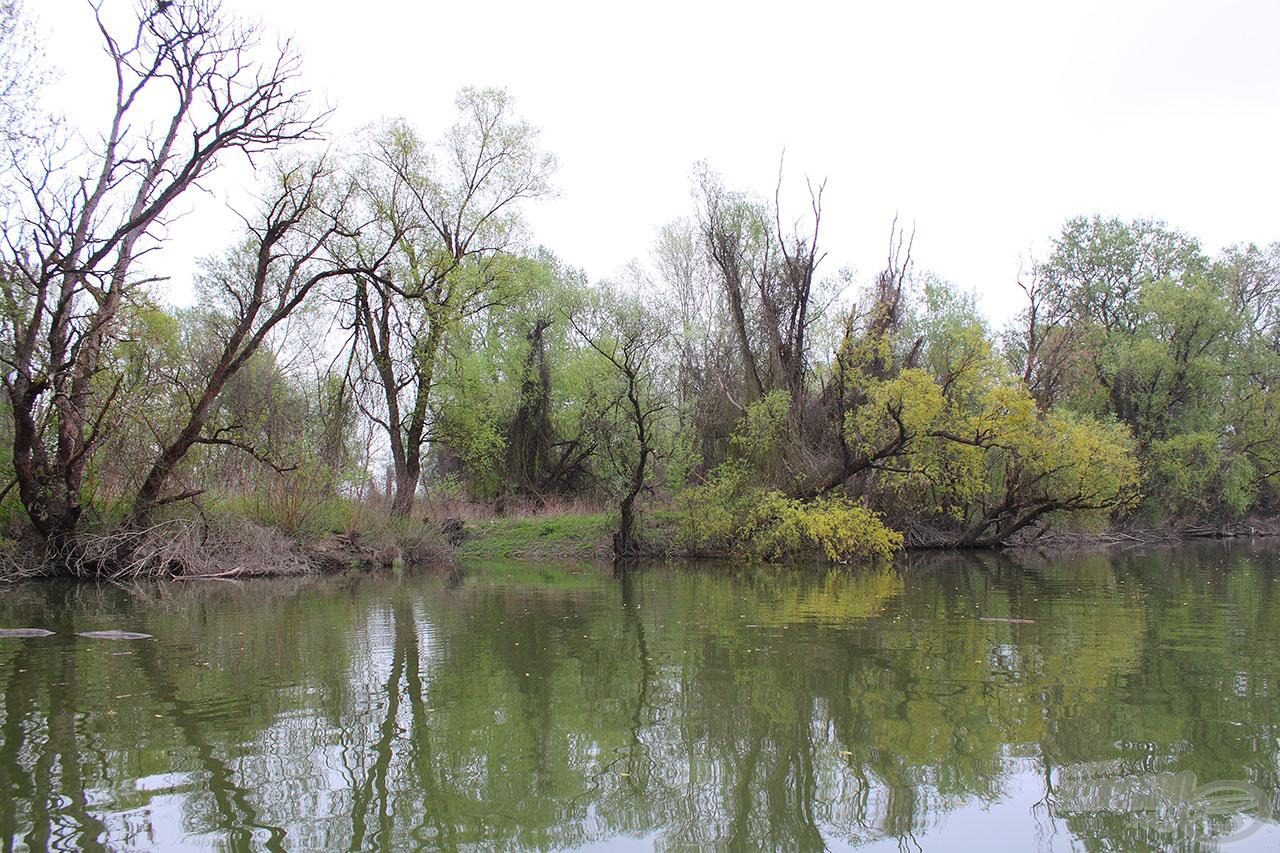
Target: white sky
(985, 124)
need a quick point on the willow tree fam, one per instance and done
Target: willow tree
(444, 216)
(188, 90)
(972, 460)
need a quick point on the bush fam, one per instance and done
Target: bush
(1190, 477)
(731, 514)
(844, 531)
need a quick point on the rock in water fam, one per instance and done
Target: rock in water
(24, 632)
(115, 635)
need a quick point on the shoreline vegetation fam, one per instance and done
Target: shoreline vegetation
(383, 365)
(234, 547)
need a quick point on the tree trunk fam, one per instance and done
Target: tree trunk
(53, 508)
(407, 473)
(148, 497)
(624, 539)
(531, 434)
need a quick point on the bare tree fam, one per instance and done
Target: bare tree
(1043, 342)
(767, 273)
(88, 215)
(737, 240)
(259, 286)
(629, 336)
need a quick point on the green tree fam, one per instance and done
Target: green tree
(441, 220)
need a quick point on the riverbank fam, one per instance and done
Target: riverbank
(569, 536)
(230, 543)
(351, 537)
(589, 537)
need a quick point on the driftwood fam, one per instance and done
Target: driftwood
(185, 548)
(926, 536)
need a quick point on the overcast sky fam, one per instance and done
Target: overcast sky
(984, 124)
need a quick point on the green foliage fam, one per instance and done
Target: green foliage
(473, 413)
(1100, 267)
(762, 433)
(684, 458)
(733, 514)
(1179, 349)
(512, 380)
(1190, 476)
(551, 536)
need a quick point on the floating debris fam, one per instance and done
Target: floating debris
(24, 632)
(115, 635)
(1006, 619)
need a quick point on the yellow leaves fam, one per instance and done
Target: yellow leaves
(842, 529)
(971, 437)
(732, 513)
(909, 403)
(1089, 458)
(1009, 413)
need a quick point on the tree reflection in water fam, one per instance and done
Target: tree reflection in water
(545, 707)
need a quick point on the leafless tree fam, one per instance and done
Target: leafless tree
(90, 211)
(1043, 342)
(766, 271)
(259, 286)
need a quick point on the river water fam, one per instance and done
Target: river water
(1108, 701)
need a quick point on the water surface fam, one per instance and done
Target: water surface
(1056, 703)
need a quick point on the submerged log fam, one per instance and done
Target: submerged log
(24, 632)
(115, 635)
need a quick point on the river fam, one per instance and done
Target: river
(1123, 700)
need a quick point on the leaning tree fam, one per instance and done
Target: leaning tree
(191, 86)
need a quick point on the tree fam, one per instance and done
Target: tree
(629, 335)
(86, 217)
(867, 354)
(1042, 344)
(551, 438)
(257, 286)
(1249, 279)
(21, 76)
(441, 232)
(955, 447)
(1098, 267)
(767, 273)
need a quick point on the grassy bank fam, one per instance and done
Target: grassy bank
(562, 536)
